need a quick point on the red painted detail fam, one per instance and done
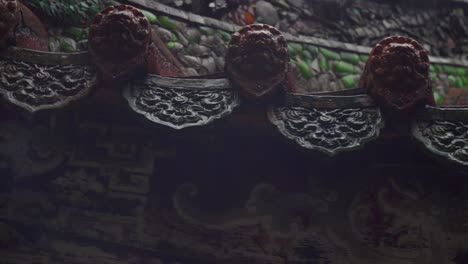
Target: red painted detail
(257, 61)
(397, 76)
(33, 22)
(158, 64)
(31, 42)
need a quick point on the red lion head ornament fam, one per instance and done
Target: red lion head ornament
(397, 75)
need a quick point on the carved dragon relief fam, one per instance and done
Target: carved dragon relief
(273, 226)
(180, 103)
(328, 130)
(37, 84)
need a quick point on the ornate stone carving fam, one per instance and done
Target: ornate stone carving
(329, 131)
(8, 18)
(119, 38)
(397, 75)
(36, 85)
(445, 138)
(272, 226)
(180, 103)
(257, 61)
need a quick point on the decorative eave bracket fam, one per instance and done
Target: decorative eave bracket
(444, 133)
(34, 80)
(329, 124)
(180, 103)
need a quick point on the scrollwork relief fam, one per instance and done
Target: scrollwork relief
(328, 130)
(179, 107)
(445, 138)
(36, 87)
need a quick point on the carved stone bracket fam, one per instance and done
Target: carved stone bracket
(180, 103)
(40, 80)
(444, 132)
(328, 124)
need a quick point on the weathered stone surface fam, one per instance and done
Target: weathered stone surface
(164, 34)
(266, 13)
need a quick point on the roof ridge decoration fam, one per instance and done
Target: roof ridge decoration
(257, 62)
(122, 30)
(394, 86)
(214, 23)
(397, 76)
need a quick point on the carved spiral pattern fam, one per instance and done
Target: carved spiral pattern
(8, 16)
(329, 131)
(446, 138)
(35, 87)
(179, 108)
(257, 60)
(397, 75)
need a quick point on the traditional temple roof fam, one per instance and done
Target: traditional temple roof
(184, 81)
(173, 150)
